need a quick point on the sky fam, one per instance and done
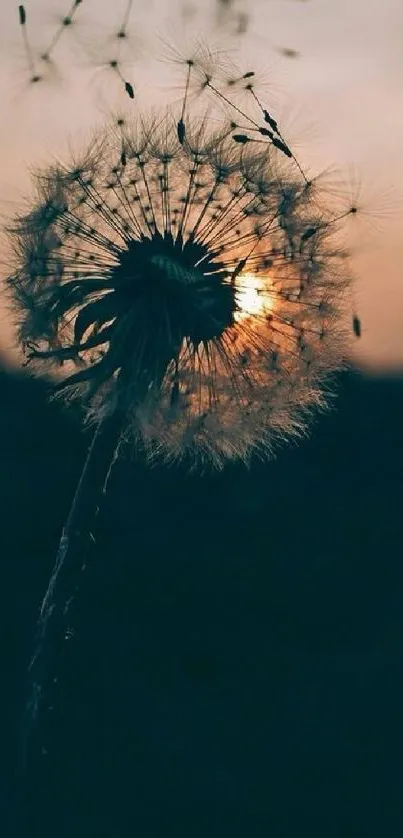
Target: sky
(338, 98)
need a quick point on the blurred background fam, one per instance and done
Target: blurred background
(235, 660)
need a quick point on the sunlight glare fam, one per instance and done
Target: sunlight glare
(252, 296)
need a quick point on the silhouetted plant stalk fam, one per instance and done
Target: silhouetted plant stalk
(184, 279)
(53, 627)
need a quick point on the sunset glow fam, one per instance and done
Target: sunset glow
(252, 296)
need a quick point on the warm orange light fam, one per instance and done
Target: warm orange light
(252, 296)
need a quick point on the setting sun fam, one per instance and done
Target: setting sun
(252, 296)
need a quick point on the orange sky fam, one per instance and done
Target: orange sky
(339, 101)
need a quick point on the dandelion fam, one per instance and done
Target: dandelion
(134, 269)
(188, 291)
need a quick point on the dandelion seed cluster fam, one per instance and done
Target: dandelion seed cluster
(185, 274)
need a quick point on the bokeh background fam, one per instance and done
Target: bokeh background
(234, 667)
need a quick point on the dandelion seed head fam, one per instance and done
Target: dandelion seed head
(188, 280)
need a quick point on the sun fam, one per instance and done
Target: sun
(252, 296)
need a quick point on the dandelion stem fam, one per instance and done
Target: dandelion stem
(53, 623)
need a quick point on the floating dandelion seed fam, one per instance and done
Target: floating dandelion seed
(114, 66)
(39, 63)
(227, 13)
(65, 22)
(199, 63)
(111, 54)
(372, 207)
(288, 52)
(34, 74)
(357, 326)
(114, 49)
(122, 33)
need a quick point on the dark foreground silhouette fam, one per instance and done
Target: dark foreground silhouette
(234, 666)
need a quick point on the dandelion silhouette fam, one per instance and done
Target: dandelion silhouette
(187, 286)
(138, 266)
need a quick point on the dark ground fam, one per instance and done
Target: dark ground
(237, 659)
